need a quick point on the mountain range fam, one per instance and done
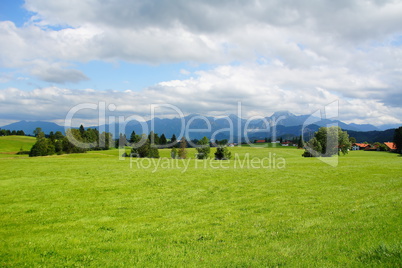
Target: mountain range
(287, 125)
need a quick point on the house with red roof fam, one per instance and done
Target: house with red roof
(286, 143)
(372, 148)
(360, 146)
(390, 146)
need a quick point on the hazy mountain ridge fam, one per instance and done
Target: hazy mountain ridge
(279, 124)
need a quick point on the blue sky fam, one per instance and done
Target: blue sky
(116, 75)
(14, 11)
(202, 57)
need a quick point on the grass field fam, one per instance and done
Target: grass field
(10, 145)
(96, 210)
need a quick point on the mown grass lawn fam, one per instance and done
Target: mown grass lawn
(94, 209)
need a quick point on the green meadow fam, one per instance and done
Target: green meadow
(266, 207)
(10, 145)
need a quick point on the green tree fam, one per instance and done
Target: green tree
(58, 135)
(134, 138)
(398, 139)
(203, 148)
(173, 153)
(162, 140)
(42, 147)
(122, 141)
(75, 133)
(380, 146)
(343, 142)
(82, 130)
(316, 147)
(58, 146)
(105, 140)
(38, 131)
(173, 140)
(153, 138)
(300, 142)
(223, 142)
(183, 151)
(222, 153)
(91, 136)
(153, 151)
(51, 136)
(328, 141)
(143, 150)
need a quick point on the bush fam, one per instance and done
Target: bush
(173, 153)
(203, 148)
(307, 154)
(222, 153)
(42, 147)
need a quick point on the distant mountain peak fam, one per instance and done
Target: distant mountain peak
(233, 117)
(282, 113)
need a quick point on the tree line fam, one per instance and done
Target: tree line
(147, 146)
(327, 141)
(162, 142)
(57, 143)
(7, 132)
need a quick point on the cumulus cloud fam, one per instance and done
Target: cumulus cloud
(205, 31)
(290, 54)
(260, 89)
(56, 74)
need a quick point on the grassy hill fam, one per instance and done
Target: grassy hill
(93, 209)
(13, 144)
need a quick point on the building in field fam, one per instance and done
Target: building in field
(390, 146)
(359, 146)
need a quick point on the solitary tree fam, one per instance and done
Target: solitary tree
(203, 148)
(173, 153)
(183, 151)
(222, 153)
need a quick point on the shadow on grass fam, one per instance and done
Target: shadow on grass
(383, 254)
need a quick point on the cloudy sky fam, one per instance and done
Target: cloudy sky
(201, 56)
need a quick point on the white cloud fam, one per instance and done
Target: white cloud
(262, 90)
(56, 74)
(309, 53)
